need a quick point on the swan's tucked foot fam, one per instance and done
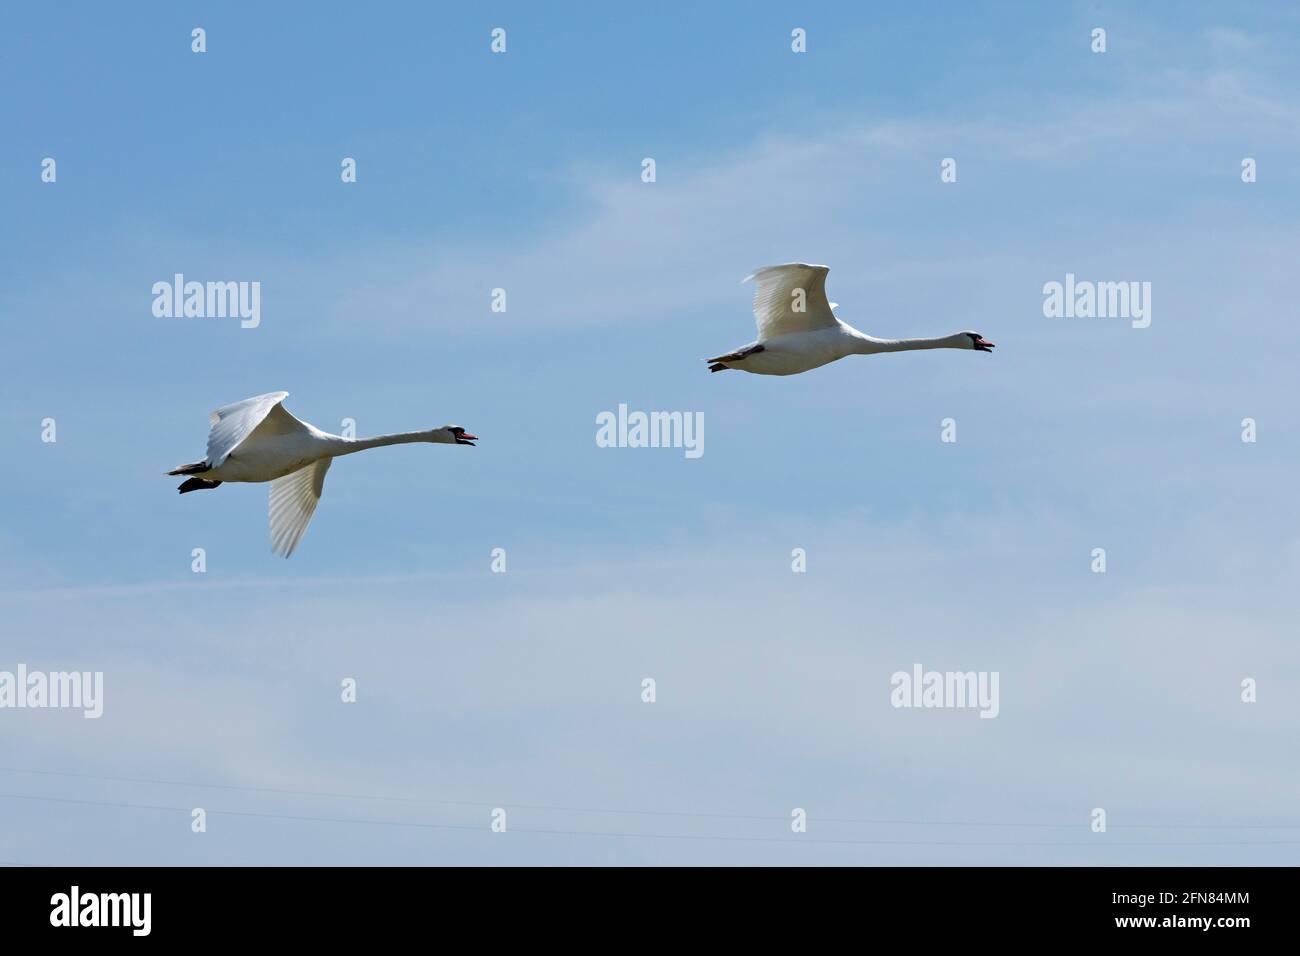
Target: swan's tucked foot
(718, 367)
(189, 469)
(196, 484)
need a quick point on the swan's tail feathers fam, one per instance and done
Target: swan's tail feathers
(719, 363)
(735, 356)
(189, 469)
(196, 484)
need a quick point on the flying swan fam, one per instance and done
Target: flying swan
(257, 440)
(797, 330)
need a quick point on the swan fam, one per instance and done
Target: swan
(793, 339)
(258, 440)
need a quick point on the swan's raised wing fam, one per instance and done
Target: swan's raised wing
(231, 424)
(791, 298)
(293, 502)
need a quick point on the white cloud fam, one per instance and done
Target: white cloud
(1112, 693)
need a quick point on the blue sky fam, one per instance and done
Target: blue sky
(522, 690)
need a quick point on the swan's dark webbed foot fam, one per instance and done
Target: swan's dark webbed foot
(717, 367)
(195, 484)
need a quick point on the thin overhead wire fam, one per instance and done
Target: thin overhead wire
(730, 838)
(711, 815)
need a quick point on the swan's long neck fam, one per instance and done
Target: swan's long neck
(348, 446)
(870, 345)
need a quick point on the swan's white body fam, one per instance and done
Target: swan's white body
(258, 440)
(798, 330)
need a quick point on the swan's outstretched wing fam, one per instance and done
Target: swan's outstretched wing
(293, 502)
(231, 424)
(777, 300)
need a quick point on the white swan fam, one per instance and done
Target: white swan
(797, 330)
(257, 440)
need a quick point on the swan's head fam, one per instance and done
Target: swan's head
(977, 342)
(457, 435)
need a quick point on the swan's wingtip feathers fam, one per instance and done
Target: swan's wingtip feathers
(285, 543)
(764, 270)
(215, 416)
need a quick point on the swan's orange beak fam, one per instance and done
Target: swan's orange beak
(984, 345)
(465, 438)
